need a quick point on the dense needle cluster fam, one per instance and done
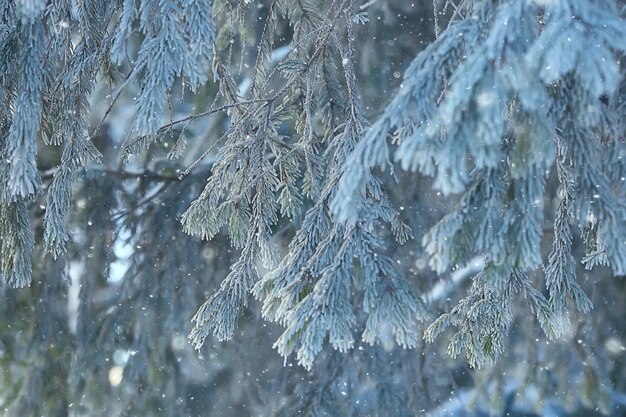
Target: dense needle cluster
(260, 141)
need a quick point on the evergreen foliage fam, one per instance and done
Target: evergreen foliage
(157, 155)
(514, 92)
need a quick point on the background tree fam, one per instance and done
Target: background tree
(343, 168)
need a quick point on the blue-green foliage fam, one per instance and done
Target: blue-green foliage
(310, 292)
(510, 92)
(41, 65)
(17, 243)
(22, 46)
(523, 79)
(21, 143)
(515, 115)
(66, 122)
(178, 41)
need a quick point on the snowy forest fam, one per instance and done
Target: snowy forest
(312, 208)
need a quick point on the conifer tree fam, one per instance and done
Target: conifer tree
(236, 176)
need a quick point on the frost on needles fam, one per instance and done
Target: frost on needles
(488, 110)
(508, 94)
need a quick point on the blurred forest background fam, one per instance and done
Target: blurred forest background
(102, 331)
